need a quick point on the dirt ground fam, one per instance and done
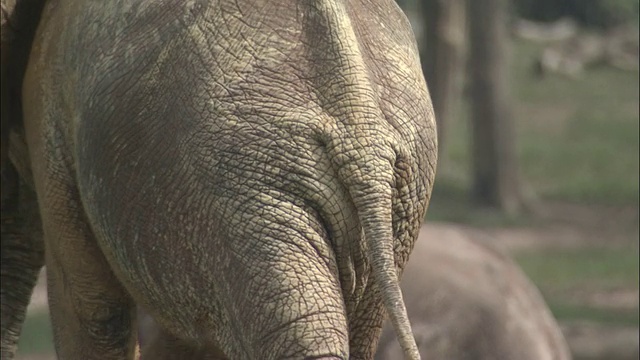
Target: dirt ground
(560, 226)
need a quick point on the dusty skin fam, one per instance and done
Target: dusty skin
(253, 173)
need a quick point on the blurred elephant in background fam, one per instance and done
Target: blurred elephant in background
(468, 301)
(253, 173)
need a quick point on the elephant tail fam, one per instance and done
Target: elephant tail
(375, 214)
(371, 187)
(362, 145)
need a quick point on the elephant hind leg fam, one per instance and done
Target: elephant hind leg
(90, 321)
(22, 256)
(91, 312)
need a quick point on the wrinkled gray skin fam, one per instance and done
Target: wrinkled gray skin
(468, 301)
(253, 173)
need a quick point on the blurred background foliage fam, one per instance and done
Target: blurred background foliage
(590, 13)
(574, 108)
(576, 135)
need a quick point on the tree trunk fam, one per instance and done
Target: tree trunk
(442, 54)
(496, 180)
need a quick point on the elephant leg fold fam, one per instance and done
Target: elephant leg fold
(366, 322)
(282, 290)
(91, 313)
(91, 317)
(22, 256)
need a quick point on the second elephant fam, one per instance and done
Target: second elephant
(469, 301)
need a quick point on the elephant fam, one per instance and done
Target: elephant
(251, 172)
(469, 301)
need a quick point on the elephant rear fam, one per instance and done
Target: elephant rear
(218, 163)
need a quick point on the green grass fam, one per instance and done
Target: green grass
(602, 268)
(577, 138)
(564, 311)
(36, 335)
(450, 203)
(590, 153)
(559, 272)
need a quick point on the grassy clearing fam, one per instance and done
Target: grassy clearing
(577, 138)
(560, 272)
(602, 268)
(450, 203)
(564, 311)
